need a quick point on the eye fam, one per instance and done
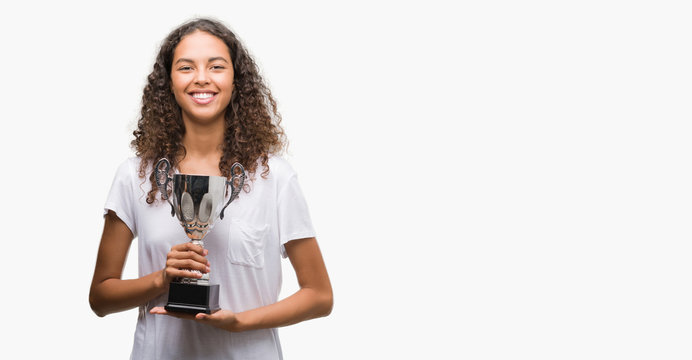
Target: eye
(185, 68)
(218, 67)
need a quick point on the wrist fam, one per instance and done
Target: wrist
(239, 323)
(160, 281)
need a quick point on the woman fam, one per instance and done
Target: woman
(204, 108)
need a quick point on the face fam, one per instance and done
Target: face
(202, 77)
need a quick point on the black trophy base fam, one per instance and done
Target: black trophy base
(193, 298)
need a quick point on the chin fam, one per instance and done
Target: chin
(203, 117)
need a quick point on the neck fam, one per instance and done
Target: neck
(203, 139)
(203, 148)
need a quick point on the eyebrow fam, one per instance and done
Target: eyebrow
(210, 59)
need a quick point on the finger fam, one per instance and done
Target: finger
(188, 265)
(158, 310)
(209, 319)
(222, 319)
(185, 255)
(215, 315)
(172, 273)
(162, 311)
(182, 273)
(188, 246)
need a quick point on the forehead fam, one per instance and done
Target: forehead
(201, 45)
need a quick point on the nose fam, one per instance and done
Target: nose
(201, 77)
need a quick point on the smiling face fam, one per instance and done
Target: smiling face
(202, 77)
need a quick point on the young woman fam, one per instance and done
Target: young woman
(205, 107)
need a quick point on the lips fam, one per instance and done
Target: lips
(202, 98)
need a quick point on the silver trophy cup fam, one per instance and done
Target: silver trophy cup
(197, 201)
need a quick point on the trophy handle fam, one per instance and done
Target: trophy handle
(161, 173)
(237, 177)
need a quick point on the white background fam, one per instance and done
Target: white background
(489, 180)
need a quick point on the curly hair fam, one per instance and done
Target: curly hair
(252, 132)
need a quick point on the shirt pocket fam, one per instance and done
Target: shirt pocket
(246, 243)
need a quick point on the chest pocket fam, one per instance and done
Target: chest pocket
(246, 243)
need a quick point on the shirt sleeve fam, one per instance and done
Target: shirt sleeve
(121, 198)
(294, 217)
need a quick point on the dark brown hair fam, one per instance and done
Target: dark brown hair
(253, 130)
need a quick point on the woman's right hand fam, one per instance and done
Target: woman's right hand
(182, 259)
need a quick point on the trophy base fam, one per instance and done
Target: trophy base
(193, 298)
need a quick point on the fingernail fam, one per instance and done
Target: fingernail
(206, 252)
(208, 269)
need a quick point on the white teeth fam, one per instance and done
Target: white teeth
(202, 95)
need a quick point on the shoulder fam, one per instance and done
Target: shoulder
(128, 171)
(129, 167)
(279, 167)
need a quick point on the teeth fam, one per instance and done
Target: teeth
(202, 95)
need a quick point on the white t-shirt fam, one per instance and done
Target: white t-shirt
(245, 250)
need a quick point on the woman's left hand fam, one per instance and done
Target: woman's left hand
(222, 319)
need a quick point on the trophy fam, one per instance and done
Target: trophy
(196, 202)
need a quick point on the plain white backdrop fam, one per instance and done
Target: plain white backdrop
(488, 179)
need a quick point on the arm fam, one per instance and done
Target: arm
(313, 299)
(110, 294)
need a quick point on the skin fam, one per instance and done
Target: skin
(202, 63)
